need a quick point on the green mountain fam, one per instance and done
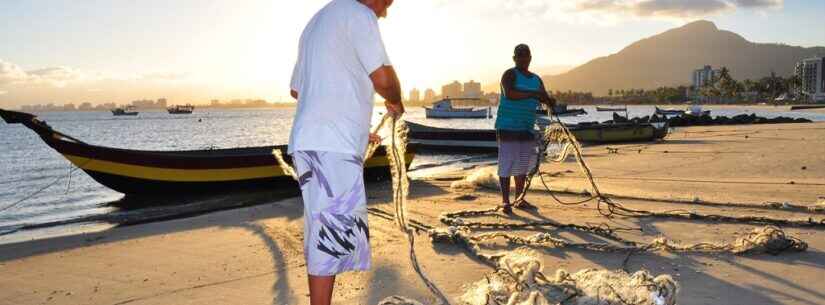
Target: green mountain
(669, 58)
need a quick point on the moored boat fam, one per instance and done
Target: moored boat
(611, 109)
(444, 109)
(661, 111)
(181, 109)
(435, 138)
(696, 110)
(562, 110)
(175, 173)
(805, 107)
(125, 111)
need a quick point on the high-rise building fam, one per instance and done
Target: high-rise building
(703, 77)
(415, 96)
(472, 89)
(429, 95)
(810, 72)
(161, 103)
(452, 90)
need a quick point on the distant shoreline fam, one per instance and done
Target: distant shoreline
(419, 104)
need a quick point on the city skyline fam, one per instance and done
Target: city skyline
(121, 51)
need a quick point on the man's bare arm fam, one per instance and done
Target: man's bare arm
(386, 83)
(545, 97)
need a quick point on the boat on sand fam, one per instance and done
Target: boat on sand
(141, 173)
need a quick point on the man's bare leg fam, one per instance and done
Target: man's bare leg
(521, 182)
(505, 193)
(320, 289)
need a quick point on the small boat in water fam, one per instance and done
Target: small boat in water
(611, 109)
(661, 111)
(805, 107)
(128, 110)
(176, 173)
(444, 109)
(181, 109)
(562, 110)
(435, 138)
(696, 110)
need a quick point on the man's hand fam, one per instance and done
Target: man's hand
(396, 109)
(375, 139)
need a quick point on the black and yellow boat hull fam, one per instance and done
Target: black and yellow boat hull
(165, 173)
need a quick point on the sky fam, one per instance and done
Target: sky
(65, 51)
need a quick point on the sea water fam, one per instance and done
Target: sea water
(27, 165)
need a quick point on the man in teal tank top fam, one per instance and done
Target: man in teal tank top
(521, 93)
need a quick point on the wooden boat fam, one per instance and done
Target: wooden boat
(484, 140)
(661, 111)
(618, 132)
(444, 110)
(181, 109)
(611, 109)
(804, 107)
(696, 110)
(173, 173)
(125, 111)
(562, 111)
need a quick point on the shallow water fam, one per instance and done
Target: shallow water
(28, 165)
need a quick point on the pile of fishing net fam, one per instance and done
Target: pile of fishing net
(768, 239)
(519, 280)
(820, 204)
(482, 178)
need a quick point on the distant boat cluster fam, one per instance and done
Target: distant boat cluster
(131, 110)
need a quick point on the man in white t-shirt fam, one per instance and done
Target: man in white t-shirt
(341, 64)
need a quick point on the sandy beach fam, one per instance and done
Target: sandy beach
(254, 255)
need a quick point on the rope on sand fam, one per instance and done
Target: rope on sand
(558, 133)
(769, 239)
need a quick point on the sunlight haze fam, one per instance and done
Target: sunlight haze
(195, 51)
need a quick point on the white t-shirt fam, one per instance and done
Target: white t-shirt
(339, 49)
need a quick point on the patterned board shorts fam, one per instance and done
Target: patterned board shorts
(336, 235)
(516, 156)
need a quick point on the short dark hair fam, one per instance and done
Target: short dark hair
(521, 49)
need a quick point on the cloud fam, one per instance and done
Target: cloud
(167, 76)
(760, 3)
(11, 74)
(55, 76)
(657, 8)
(61, 76)
(611, 11)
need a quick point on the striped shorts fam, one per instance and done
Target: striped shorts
(516, 153)
(336, 234)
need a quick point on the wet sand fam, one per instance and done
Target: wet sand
(254, 255)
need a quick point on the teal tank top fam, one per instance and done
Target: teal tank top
(519, 115)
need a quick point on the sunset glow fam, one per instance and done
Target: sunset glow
(195, 51)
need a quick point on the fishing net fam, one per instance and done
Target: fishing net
(769, 239)
(483, 178)
(519, 280)
(518, 277)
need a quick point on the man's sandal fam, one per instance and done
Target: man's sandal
(524, 205)
(507, 208)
